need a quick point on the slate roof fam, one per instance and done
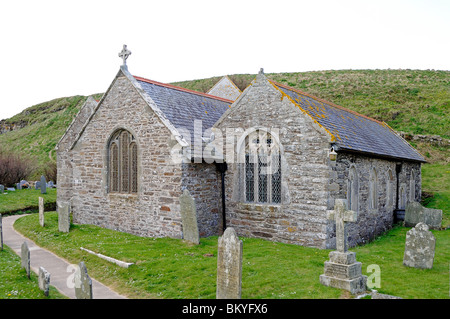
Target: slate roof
(352, 131)
(182, 106)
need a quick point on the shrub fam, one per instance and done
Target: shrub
(14, 168)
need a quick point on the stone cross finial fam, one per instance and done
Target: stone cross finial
(124, 54)
(342, 216)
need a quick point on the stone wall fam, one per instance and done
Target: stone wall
(154, 210)
(204, 184)
(300, 218)
(371, 221)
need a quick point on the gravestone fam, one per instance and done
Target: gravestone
(342, 270)
(419, 247)
(11, 189)
(37, 185)
(415, 213)
(50, 184)
(43, 185)
(2, 189)
(229, 266)
(1, 233)
(18, 186)
(189, 218)
(44, 280)
(63, 217)
(25, 255)
(41, 211)
(83, 283)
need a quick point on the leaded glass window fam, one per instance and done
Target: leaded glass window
(262, 168)
(123, 163)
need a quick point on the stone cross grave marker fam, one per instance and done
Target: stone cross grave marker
(419, 247)
(43, 185)
(189, 218)
(1, 233)
(342, 270)
(25, 255)
(83, 283)
(341, 216)
(41, 211)
(229, 266)
(44, 280)
(63, 217)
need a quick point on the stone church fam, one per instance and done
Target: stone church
(268, 161)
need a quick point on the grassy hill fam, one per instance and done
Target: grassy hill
(412, 101)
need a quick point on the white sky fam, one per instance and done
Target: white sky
(51, 49)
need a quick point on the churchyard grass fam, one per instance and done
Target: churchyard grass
(26, 200)
(14, 283)
(436, 180)
(172, 268)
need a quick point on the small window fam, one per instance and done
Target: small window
(373, 191)
(123, 159)
(262, 168)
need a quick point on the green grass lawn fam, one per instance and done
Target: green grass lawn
(25, 200)
(14, 283)
(172, 268)
(436, 180)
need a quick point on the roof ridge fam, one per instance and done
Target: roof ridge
(170, 86)
(327, 102)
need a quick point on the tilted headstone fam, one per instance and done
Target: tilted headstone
(25, 255)
(43, 185)
(415, 213)
(63, 217)
(419, 247)
(41, 211)
(189, 218)
(44, 280)
(1, 233)
(342, 270)
(229, 266)
(83, 283)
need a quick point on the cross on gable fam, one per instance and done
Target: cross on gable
(124, 54)
(342, 216)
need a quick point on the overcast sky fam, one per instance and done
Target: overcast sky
(52, 49)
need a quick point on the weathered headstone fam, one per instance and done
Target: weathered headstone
(41, 211)
(43, 185)
(342, 270)
(419, 247)
(37, 185)
(63, 217)
(1, 233)
(25, 256)
(189, 218)
(18, 186)
(415, 213)
(83, 283)
(2, 189)
(44, 280)
(229, 266)
(50, 184)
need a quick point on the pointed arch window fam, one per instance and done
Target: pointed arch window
(373, 189)
(390, 188)
(412, 187)
(123, 163)
(352, 189)
(262, 168)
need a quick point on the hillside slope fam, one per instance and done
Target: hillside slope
(412, 101)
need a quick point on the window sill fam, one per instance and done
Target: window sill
(261, 207)
(122, 195)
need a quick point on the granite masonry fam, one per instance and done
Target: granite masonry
(116, 165)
